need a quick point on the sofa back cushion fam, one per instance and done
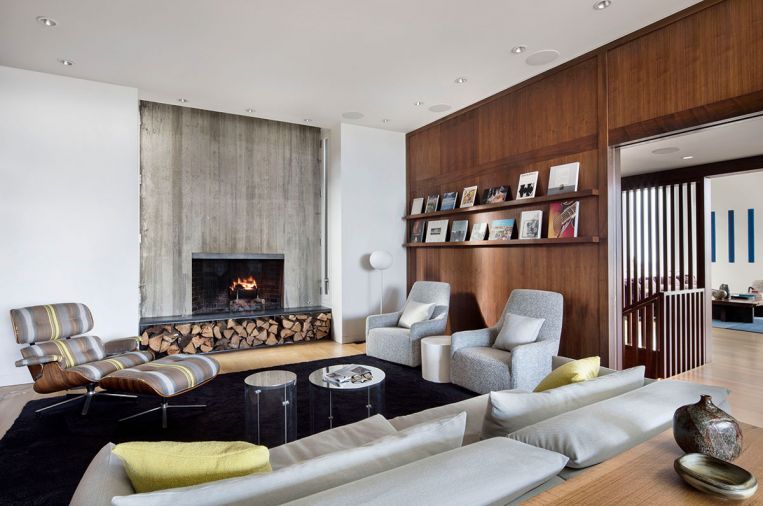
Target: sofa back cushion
(597, 432)
(475, 415)
(315, 475)
(511, 410)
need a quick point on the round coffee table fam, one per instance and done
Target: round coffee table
(435, 359)
(268, 394)
(322, 394)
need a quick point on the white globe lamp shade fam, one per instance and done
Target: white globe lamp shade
(381, 260)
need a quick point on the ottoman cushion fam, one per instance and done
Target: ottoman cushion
(166, 377)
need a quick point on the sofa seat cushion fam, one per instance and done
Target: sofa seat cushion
(166, 377)
(95, 371)
(494, 471)
(597, 432)
(318, 474)
(333, 440)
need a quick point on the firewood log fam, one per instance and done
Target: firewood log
(206, 330)
(234, 341)
(155, 343)
(190, 348)
(287, 324)
(271, 340)
(205, 348)
(173, 349)
(184, 329)
(217, 332)
(231, 324)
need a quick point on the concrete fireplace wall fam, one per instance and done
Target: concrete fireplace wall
(221, 183)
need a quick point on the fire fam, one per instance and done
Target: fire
(247, 283)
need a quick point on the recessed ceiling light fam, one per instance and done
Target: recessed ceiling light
(308, 120)
(250, 110)
(687, 157)
(182, 100)
(600, 6)
(440, 108)
(518, 49)
(460, 80)
(665, 151)
(43, 20)
(418, 102)
(542, 57)
(385, 120)
(352, 115)
(64, 61)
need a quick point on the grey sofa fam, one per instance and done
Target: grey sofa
(479, 367)
(386, 340)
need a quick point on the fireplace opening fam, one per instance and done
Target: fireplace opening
(230, 283)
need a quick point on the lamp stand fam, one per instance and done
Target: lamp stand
(381, 294)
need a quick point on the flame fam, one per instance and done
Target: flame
(247, 283)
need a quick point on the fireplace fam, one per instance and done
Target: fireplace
(233, 282)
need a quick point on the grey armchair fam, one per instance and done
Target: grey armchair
(479, 367)
(386, 340)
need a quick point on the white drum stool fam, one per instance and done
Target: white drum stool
(435, 359)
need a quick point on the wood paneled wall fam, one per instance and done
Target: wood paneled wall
(214, 182)
(664, 77)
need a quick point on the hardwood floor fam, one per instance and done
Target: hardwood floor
(13, 398)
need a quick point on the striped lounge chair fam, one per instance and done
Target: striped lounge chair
(60, 358)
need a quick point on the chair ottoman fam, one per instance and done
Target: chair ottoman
(165, 378)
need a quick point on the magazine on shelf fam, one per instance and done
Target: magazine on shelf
(449, 201)
(563, 178)
(432, 202)
(563, 219)
(417, 206)
(528, 183)
(348, 374)
(501, 230)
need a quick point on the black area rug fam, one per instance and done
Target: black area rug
(42, 458)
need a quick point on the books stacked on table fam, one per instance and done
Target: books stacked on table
(347, 374)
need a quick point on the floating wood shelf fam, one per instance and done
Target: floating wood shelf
(506, 205)
(503, 244)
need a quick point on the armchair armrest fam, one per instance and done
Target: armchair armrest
(472, 338)
(376, 321)
(122, 345)
(43, 359)
(428, 328)
(530, 363)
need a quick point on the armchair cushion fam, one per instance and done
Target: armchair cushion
(415, 312)
(42, 359)
(516, 330)
(482, 369)
(36, 324)
(75, 351)
(123, 345)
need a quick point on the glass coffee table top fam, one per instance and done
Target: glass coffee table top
(316, 377)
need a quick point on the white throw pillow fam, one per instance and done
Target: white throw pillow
(415, 312)
(516, 330)
(314, 475)
(511, 410)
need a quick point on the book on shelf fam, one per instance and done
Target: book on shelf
(530, 225)
(432, 202)
(496, 195)
(417, 206)
(458, 231)
(417, 231)
(478, 232)
(449, 201)
(469, 196)
(563, 178)
(563, 219)
(347, 374)
(437, 231)
(501, 230)
(528, 182)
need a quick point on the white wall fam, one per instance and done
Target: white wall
(739, 192)
(70, 206)
(367, 200)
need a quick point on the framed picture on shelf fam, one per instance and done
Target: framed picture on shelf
(417, 206)
(501, 230)
(530, 225)
(432, 202)
(528, 182)
(458, 231)
(563, 219)
(479, 230)
(417, 231)
(496, 195)
(469, 196)
(437, 231)
(563, 178)
(449, 201)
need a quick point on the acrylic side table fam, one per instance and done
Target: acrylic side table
(270, 397)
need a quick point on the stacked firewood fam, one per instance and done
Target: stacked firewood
(204, 337)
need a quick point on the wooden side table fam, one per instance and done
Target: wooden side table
(435, 359)
(645, 475)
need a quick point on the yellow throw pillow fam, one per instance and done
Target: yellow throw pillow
(571, 372)
(168, 464)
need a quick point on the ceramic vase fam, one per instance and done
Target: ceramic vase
(705, 428)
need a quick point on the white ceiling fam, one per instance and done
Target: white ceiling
(297, 59)
(738, 139)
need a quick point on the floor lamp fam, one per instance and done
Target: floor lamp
(381, 261)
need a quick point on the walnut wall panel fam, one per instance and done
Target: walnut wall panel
(214, 182)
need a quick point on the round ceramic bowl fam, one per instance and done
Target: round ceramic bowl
(715, 476)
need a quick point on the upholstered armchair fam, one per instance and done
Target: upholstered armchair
(388, 341)
(59, 361)
(478, 366)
